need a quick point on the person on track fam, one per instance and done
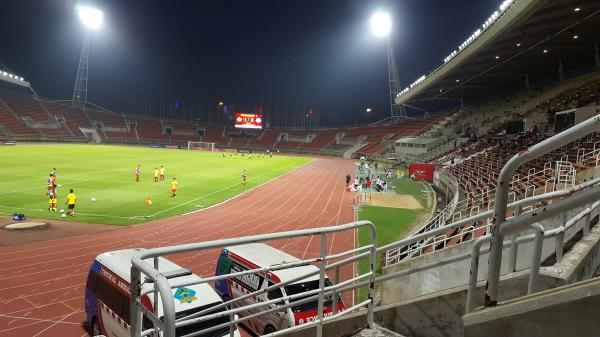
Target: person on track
(156, 174)
(348, 178)
(71, 200)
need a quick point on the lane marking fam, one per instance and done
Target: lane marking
(57, 322)
(215, 192)
(30, 302)
(240, 194)
(70, 307)
(40, 319)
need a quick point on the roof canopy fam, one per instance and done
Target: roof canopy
(534, 41)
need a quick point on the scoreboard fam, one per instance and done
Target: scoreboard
(248, 121)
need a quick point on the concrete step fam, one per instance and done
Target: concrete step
(377, 331)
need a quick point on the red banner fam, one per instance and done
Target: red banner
(419, 171)
(248, 121)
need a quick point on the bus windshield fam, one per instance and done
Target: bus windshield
(188, 329)
(299, 288)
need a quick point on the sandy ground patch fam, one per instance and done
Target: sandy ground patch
(394, 200)
(56, 230)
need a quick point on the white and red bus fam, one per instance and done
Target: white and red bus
(257, 255)
(107, 297)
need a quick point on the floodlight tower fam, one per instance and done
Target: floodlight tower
(91, 18)
(381, 25)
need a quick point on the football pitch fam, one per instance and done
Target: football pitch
(103, 178)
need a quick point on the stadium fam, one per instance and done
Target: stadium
(468, 209)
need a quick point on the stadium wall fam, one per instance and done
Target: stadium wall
(457, 274)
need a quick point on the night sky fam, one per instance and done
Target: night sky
(308, 53)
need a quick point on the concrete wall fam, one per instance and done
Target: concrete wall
(457, 273)
(567, 311)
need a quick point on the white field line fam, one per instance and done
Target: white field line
(38, 188)
(239, 195)
(209, 194)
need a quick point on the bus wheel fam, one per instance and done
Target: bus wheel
(96, 328)
(269, 329)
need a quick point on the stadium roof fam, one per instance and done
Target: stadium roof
(528, 38)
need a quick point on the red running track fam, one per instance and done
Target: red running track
(42, 284)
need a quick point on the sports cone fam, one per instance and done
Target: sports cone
(148, 201)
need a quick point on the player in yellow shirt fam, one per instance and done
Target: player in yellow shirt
(156, 174)
(174, 188)
(71, 200)
(162, 173)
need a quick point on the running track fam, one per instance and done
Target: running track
(42, 284)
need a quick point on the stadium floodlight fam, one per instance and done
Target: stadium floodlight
(89, 16)
(381, 23)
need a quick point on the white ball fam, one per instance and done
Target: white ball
(59, 185)
(62, 210)
(93, 199)
(63, 215)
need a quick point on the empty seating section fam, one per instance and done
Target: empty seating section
(25, 115)
(27, 107)
(74, 118)
(214, 134)
(477, 164)
(14, 125)
(150, 130)
(324, 138)
(106, 118)
(292, 145)
(267, 139)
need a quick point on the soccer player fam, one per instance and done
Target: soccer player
(71, 200)
(156, 174)
(174, 188)
(138, 173)
(162, 173)
(50, 193)
(244, 177)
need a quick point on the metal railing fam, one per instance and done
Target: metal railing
(167, 323)
(527, 222)
(501, 199)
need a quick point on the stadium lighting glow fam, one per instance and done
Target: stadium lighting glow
(577, 9)
(368, 110)
(381, 23)
(221, 103)
(457, 81)
(575, 37)
(545, 51)
(89, 16)
(518, 44)
(497, 57)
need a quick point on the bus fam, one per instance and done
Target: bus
(258, 255)
(107, 297)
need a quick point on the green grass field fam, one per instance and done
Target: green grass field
(390, 223)
(106, 173)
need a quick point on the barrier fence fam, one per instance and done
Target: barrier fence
(147, 264)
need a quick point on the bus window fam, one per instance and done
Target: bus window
(303, 287)
(274, 294)
(111, 297)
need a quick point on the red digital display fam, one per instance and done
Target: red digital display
(248, 121)
(419, 171)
